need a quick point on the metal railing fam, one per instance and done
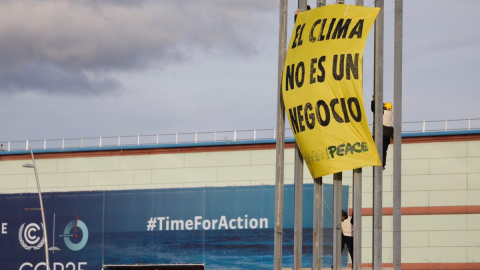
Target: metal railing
(211, 137)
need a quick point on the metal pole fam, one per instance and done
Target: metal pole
(318, 209)
(298, 181)
(378, 172)
(302, 5)
(103, 229)
(357, 216)
(298, 210)
(337, 220)
(357, 207)
(397, 144)
(47, 261)
(337, 210)
(280, 135)
(317, 223)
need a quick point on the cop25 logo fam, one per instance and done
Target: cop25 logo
(75, 235)
(28, 238)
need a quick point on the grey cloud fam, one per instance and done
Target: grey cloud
(74, 38)
(52, 79)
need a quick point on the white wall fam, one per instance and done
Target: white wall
(437, 174)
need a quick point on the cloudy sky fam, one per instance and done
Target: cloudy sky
(72, 69)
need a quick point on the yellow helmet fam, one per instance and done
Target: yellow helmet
(387, 106)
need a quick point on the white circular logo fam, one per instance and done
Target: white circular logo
(27, 236)
(70, 233)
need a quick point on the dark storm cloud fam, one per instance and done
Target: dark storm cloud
(72, 46)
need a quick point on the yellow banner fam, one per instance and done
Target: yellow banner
(322, 88)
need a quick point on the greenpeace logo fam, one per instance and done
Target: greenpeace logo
(333, 151)
(199, 223)
(347, 149)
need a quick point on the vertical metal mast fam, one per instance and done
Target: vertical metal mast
(397, 145)
(337, 220)
(357, 219)
(317, 223)
(298, 211)
(357, 206)
(317, 211)
(378, 172)
(298, 181)
(337, 210)
(280, 147)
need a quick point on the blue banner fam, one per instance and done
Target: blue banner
(221, 228)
